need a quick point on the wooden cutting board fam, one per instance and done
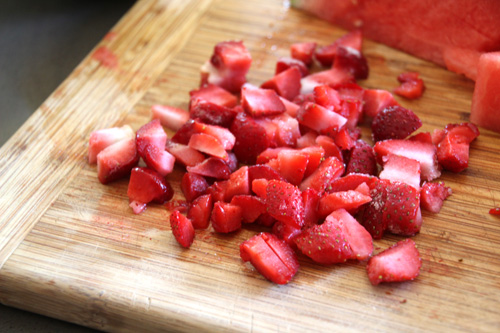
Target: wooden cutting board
(70, 248)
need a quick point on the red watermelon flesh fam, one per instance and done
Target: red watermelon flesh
(429, 29)
(485, 111)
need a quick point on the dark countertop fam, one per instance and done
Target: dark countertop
(41, 43)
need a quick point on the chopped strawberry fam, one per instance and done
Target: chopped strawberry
(329, 170)
(152, 134)
(226, 217)
(352, 61)
(315, 156)
(311, 198)
(372, 217)
(200, 210)
(290, 107)
(412, 86)
(307, 139)
(284, 202)
(251, 207)
(432, 196)
(286, 84)
(320, 119)
(303, 52)
(103, 138)
(326, 54)
(158, 159)
(453, 150)
(329, 146)
(116, 161)
(182, 228)
(193, 185)
(350, 92)
(463, 132)
(272, 257)
(251, 138)
(213, 94)
(402, 209)
(349, 182)
(327, 97)
(361, 159)
(292, 165)
(344, 140)
(285, 63)
(218, 190)
(286, 232)
(207, 144)
(400, 262)
(237, 184)
(495, 211)
(169, 116)
(338, 239)
(259, 102)
(401, 169)
(259, 187)
(424, 153)
(377, 100)
(147, 185)
(184, 133)
(225, 137)
(305, 97)
(348, 200)
(332, 77)
(266, 220)
(228, 66)
(211, 167)
(184, 154)
(211, 113)
(424, 137)
(287, 130)
(262, 171)
(394, 122)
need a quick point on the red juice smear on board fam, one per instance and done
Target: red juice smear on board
(106, 57)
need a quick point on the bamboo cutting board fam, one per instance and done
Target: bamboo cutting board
(70, 248)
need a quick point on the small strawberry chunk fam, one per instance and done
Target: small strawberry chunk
(332, 77)
(349, 182)
(400, 262)
(329, 170)
(158, 159)
(261, 102)
(251, 207)
(213, 94)
(432, 196)
(303, 52)
(271, 257)
(145, 186)
(292, 165)
(320, 119)
(211, 167)
(151, 134)
(326, 54)
(412, 86)
(361, 159)
(402, 209)
(495, 211)
(311, 198)
(330, 147)
(286, 232)
(327, 97)
(377, 100)
(237, 184)
(284, 202)
(262, 171)
(211, 113)
(352, 61)
(207, 144)
(286, 84)
(200, 210)
(217, 190)
(251, 138)
(184, 154)
(401, 169)
(182, 228)
(116, 161)
(226, 217)
(103, 138)
(348, 200)
(372, 216)
(315, 156)
(193, 185)
(453, 149)
(259, 187)
(169, 116)
(285, 63)
(394, 122)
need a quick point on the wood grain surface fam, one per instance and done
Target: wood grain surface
(71, 248)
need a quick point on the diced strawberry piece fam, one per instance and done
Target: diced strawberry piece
(211, 167)
(425, 153)
(103, 138)
(211, 113)
(184, 154)
(311, 198)
(361, 159)
(394, 122)
(377, 100)
(286, 84)
(271, 257)
(350, 92)
(424, 137)
(193, 185)
(200, 210)
(327, 97)
(261, 102)
(218, 190)
(116, 161)
(329, 146)
(372, 217)
(432, 196)
(184, 133)
(437, 136)
(213, 94)
(251, 207)
(182, 228)
(275, 164)
(262, 171)
(495, 211)
(152, 134)
(266, 220)
(343, 139)
(363, 188)
(284, 202)
(402, 209)
(463, 132)
(286, 232)
(326, 55)
(348, 200)
(251, 138)
(352, 61)
(303, 52)
(303, 98)
(332, 77)
(147, 185)
(207, 144)
(290, 107)
(401, 169)
(320, 119)
(400, 262)
(329, 170)
(453, 150)
(285, 63)
(237, 184)
(307, 140)
(357, 237)
(158, 159)
(315, 156)
(226, 217)
(287, 130)
(349, 182)
(225, 137)
(412, 86)
(292, 165)
(228, 66)
(271, 129)
(259, 187)
(169, 116)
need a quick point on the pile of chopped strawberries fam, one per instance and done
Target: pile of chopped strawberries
(288, 155)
